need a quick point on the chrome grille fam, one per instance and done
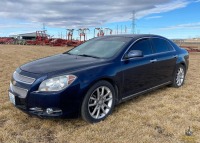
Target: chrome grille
(21, 78)
(20, 91)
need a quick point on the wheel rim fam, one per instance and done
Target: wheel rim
(100, 102)
(180, 76)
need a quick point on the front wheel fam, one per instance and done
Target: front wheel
(98, 102)
(179, 76)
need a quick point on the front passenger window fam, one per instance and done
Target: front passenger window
(144, 46)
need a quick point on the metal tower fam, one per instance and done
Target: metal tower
(133, 22)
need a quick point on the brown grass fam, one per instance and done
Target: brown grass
(157, 117)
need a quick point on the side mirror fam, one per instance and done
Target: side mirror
(133, 53)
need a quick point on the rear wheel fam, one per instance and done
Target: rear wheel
(179, 76)
(98, 102)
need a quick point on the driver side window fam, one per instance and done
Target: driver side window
(144, 46)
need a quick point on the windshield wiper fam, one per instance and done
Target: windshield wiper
(85, 55)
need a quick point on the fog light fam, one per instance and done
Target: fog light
(49, 111)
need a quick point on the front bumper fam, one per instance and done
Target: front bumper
(42, 112)
(65, 103)
(49, 107)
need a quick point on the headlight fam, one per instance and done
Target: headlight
(57, 83)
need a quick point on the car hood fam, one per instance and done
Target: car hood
(60, 62)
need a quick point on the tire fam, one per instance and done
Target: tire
(99, 102)
(179, 76)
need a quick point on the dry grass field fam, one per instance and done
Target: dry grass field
(157, 117)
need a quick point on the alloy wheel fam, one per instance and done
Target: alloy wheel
(100, 102)
(180, 76)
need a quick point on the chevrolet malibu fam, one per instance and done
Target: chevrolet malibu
(89, 80)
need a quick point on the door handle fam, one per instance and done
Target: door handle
(153, 61)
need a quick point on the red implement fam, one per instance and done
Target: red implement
(191, 48)
(6, 40)
(41, 39)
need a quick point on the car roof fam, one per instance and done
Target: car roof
(135, 36)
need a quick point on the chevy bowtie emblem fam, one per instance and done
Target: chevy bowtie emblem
(14, 82)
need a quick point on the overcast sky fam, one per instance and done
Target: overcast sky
(20, 16)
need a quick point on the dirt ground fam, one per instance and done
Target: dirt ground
(157, 117)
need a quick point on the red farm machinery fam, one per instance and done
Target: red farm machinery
(82, 32)
(191, 48)
(70, 34)
(41, 39)
(6, 40)
(63, 42)
(102, 32)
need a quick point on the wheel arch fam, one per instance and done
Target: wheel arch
(112, 82)
(115, 87)
(180, 64)
(182, 61)
(183, 64)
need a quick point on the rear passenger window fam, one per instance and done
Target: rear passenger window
(144, 46)
(161, 45)
(170, 46)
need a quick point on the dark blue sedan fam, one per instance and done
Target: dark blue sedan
(91, 79)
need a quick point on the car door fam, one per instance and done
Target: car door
(165, 60)
(138, 72)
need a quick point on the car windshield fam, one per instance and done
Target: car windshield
(104, 47)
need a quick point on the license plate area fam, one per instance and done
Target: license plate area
(12, 98)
